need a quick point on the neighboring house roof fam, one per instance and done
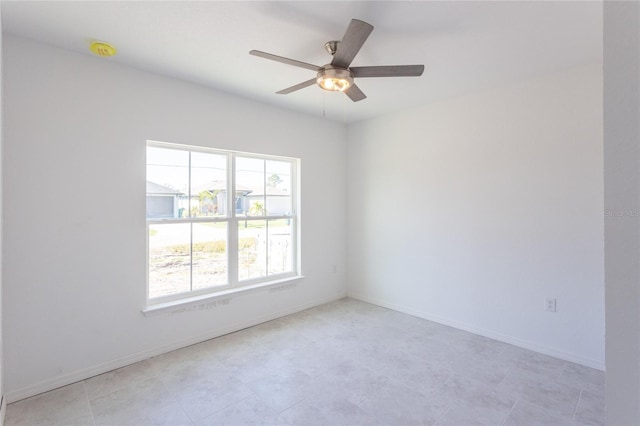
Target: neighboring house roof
(157, 189)
(216, 185)
(271, 191)
(277, 191)
(220, 185)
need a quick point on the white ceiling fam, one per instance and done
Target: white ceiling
(465, 46)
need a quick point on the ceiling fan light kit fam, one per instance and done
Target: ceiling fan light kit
(337, 76)
(334, 79)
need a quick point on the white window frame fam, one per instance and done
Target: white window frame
(232, 220)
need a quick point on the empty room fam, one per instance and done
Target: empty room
(320, 213)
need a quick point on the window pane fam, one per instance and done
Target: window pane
(208, 184)
(280, 246)
(278, 184)
(209, 255)
(252, 256)
(192, 252)
(167, 180)
(169, 259)
(250, 187)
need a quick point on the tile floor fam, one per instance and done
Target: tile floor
(344, 363)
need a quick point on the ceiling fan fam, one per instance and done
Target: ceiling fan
(337, 75)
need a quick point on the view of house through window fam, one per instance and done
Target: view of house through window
(217, 219)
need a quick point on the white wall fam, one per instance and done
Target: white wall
(472, 210)
(3, 401)
(622, 202)
(74, 188)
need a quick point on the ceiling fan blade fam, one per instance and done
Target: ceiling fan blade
(357, 33)
(354, 93)
(297, 87)
(284, 60)
(388, 71)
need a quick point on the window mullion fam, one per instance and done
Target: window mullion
(190, 231)
(189, 188)
(295, 206)
(191, 256)
(232, 229)
(264, 187)
(266, 221)
(147, 269)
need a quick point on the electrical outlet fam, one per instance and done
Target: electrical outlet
(550, 304)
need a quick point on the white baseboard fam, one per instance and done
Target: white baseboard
(533, 346)
(79, 375)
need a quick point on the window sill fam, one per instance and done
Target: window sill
(211, 300)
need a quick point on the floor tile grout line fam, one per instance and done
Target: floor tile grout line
(228, 406)
(510, 411)
(86, 395)
(504, 378)
(175, 399)
(294, 405)
(575, 410)
(446, 410)
(564, 366)
(288, 407)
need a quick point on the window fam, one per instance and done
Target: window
(217, 220)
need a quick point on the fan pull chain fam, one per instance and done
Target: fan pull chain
(324, 104)
(344, 109)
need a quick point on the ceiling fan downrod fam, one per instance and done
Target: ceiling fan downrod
(331, 47)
